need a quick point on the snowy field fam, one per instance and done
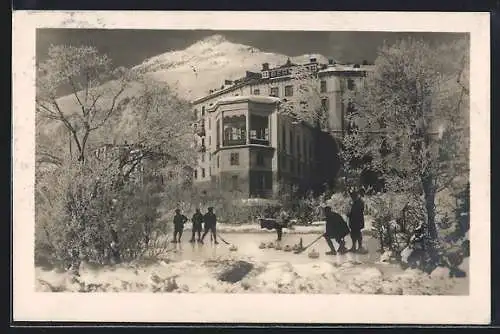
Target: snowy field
(209, 268)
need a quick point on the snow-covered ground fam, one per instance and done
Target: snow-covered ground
(214, 268)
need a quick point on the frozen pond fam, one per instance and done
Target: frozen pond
(248, 248)
(198, 268)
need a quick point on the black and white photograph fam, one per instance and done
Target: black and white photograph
(176, 161)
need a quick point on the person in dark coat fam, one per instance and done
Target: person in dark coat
(197, 221)
(179, 221)
(210, 220)
(336, 228)
(356, 221)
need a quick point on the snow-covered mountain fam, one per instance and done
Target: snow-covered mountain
(207, 63)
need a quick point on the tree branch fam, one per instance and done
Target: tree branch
(111, 110)
(75, 93)
(68, 125)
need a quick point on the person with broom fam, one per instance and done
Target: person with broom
(210, 220)
(336, 228)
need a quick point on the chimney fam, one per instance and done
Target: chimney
(228, 82)
(312, 60)
(331, 61)
(265, 66)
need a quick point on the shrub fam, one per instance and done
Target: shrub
(395, 218)
(88, 212)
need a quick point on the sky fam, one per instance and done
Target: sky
(131, 47)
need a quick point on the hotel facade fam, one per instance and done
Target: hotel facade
(247, 145)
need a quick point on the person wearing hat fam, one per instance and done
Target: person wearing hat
(179, 221)
(356, 221)
(336, 228)
(197, 220)
(210, 220)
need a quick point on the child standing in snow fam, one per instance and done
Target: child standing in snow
(356, 221)
(210, 225)
(197, 221)
(179, 221)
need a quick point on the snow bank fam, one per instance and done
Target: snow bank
(273, 277)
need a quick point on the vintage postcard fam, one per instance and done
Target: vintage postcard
(257, 167)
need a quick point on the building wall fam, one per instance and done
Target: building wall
(305, 163)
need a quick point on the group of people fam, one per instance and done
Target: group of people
(338, 229)
(201, 222)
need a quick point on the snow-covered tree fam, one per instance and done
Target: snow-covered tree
(410, 120)
(95, 85)
(305, 104)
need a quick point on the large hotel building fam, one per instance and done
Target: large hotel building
(247, 145)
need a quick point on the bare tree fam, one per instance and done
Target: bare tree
(410, 120)
(82, 71)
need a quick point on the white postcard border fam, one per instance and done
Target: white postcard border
(249, 308)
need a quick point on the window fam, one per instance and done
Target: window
(202, 111)
(275, 91)
(283, 162)
(289, 90)
(218, 134)
(209, 171)
(291, 141)
(259, 130)
(324, 104)
(203, 173)
(323, 86)
(350, 84)
(260, 159)
(195, 174)
(203, 157)
(209, 157)
(235, 130)
(209, 123)
(283, 139)
(306, 156)
(209, 141)
(234, 182)
(235, 159)
(218, 161)
(298, 146)
(202, 141)
(256, 92)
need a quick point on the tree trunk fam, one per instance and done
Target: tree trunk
(430, 195)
